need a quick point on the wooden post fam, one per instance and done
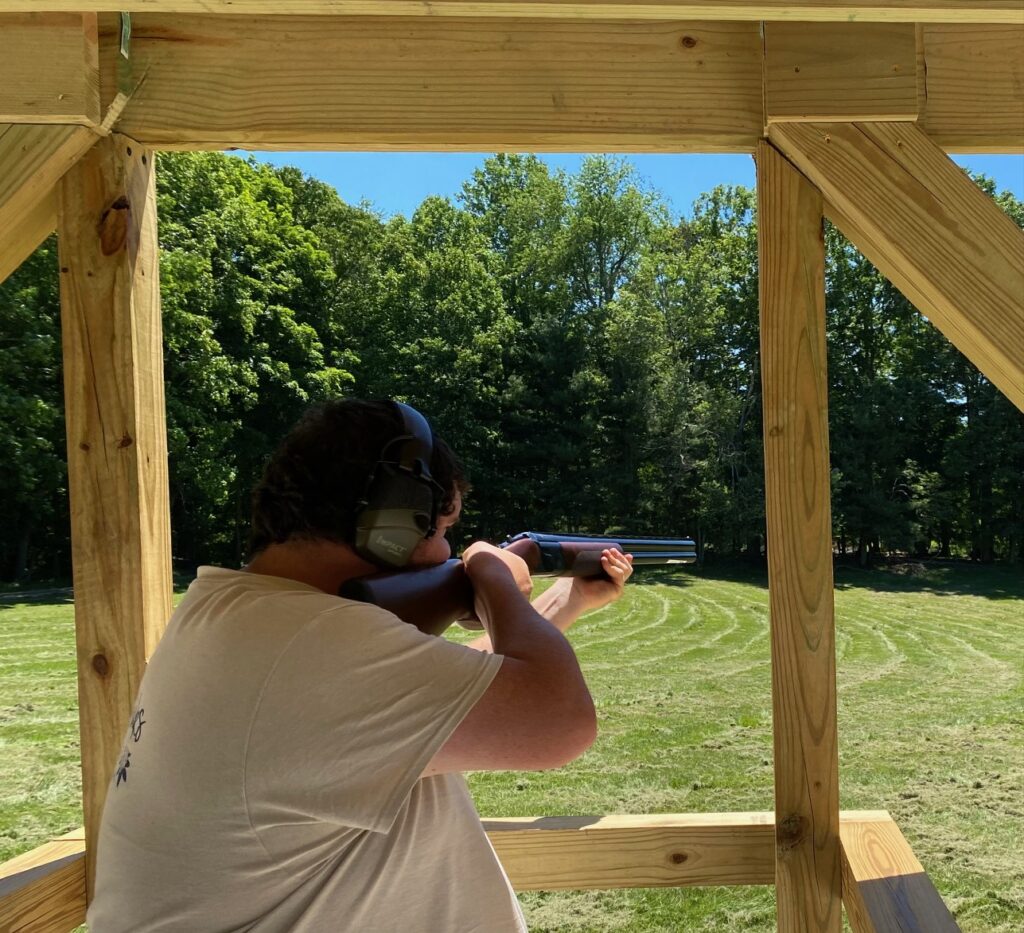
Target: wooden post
(795, 391)
(117, 444)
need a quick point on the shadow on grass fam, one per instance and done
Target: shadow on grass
(939, 577)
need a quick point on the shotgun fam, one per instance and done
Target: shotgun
(432, 598)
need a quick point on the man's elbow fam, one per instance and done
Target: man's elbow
(576, 733)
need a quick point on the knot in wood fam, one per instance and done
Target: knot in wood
(678, 858)
(790, 832)
(126, 440)
(100, 664)
(688, 42)
(113, 226)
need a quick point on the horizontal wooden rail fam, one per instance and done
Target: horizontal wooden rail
(565, 853)
(44, 890)
(885, 887)
(907, 11)
(420, 82)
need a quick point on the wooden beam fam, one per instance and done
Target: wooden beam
(32, 161)
(49, 68)
(43, 891)
(574, 853)
(21, 239)
(117, 446)
(926, 226)
(663, 850)
(472, 84)
(892, 11)
(388, 83)
(797, 499)
(847, 71)
(973, 82)
(885, 889)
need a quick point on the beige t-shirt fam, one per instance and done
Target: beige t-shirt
(269, 779)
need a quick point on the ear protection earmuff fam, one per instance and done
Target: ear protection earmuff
(399, 508)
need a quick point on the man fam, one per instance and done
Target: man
(293, 760)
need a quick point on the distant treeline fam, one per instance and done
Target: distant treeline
(594, 363)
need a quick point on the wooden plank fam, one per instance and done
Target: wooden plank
(974, 87)
(117, 450)
(388, 83)
(49, 68)
(43, 891)
(902, 11)
(795, 392)
(21, 239)
(211, 82)
(929, 229)
(885, 889)
(663, 850)
(847, 71)
(32, 160)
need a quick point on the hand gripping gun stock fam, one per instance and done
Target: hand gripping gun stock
(432, 598)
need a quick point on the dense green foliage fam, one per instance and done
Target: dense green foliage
(594, 362)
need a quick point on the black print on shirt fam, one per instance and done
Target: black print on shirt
(122, 768)
(135, 732)
(137, 723)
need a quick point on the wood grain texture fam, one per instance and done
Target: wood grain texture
(927, 227)
(20, 240)
(279, 82)
(663, 850)
(43, 891)
(903, 11)
(391, 83)
(32, 161)
(49, 68)
(850, 71)
(797, 501)
(974, 87)
(117, 449)
(885, 889)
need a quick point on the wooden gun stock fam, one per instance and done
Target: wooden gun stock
(432, 598)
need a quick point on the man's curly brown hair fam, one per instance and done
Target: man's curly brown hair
(312, 485)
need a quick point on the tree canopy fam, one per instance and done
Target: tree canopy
(593, 361)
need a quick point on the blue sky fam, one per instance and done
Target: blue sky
(396, 182)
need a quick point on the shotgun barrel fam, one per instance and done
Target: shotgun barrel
(432, 598)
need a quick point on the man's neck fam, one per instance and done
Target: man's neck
(323, 564)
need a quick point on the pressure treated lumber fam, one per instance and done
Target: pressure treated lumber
(49, 68)
(840, 71)
(43, 891)
(974, 87)
(117, 446)
(885, 889)
(590, 852)
(554, 853)
(906, 11)
(797, 503)
(309, 82)
(292, 82)
(929, 229)
(32, 160)
(21, 239)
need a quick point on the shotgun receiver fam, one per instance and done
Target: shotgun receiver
(432, 598)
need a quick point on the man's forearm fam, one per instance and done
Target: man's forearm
(555, 604)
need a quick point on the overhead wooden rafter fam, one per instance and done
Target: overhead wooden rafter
(915, 214)
(472, 84)
(49, 68)
(920, 11)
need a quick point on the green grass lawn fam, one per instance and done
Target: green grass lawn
(931, 709)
